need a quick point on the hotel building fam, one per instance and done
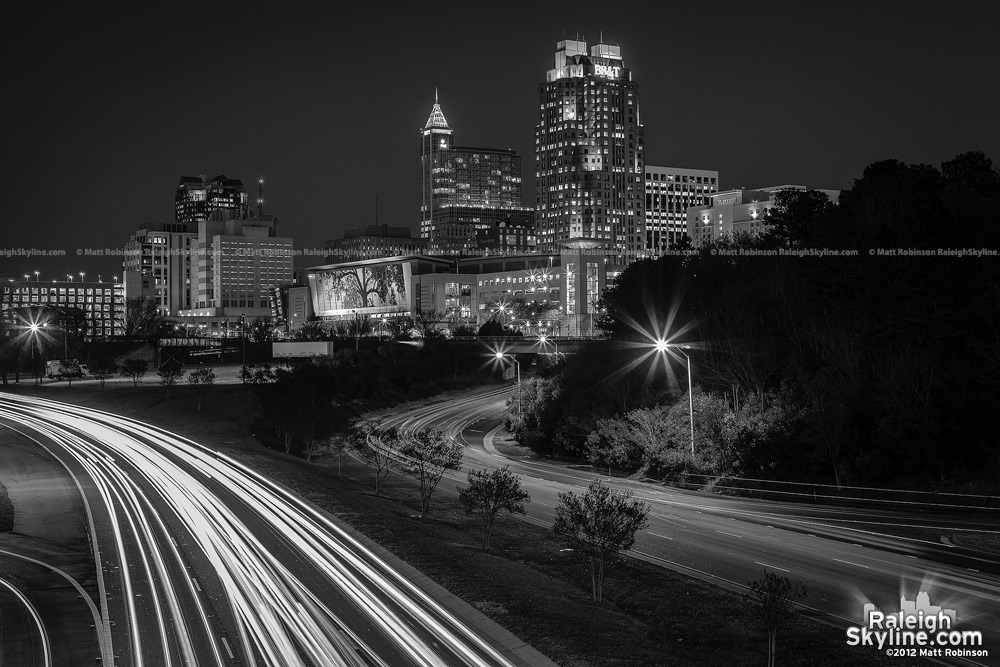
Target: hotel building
(737, 211)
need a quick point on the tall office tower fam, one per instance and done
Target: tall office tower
(669, 193)
(589, 153)
(160, 263)
(198, 196)
(464, 189)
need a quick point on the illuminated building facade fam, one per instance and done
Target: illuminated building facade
(94, 309)
(463, 188)
(540, 294)
(372, 242)
(198, 196)
(737, 211)
(159, 264)
(589, 163)
(239, 262)
(670, 191)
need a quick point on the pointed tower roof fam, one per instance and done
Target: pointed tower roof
(436, 119)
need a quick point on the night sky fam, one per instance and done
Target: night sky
(106, 109)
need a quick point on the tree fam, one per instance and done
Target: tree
(432, 452)
(134, 369)
(600, 524)
(770, 605)
(377, 447)
(261, 330)
(169, 375)
(490, 493)
(200, 380)
(141, 317)
(339, 443)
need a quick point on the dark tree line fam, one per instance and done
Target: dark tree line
(874, 365)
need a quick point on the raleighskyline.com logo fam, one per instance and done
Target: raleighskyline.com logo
(918, 629)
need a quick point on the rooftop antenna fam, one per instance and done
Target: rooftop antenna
(435, 94)
(260, 197)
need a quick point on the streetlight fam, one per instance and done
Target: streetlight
(500, 356)
(33, 342)
(82, 275)
(36, 275)
(545, 339)
(661, 347)
(243, 335)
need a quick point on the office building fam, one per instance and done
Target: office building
(737, 211)
(372, 242)
(159, 264)
(198, 196)
(463, 188)
(239, 262)
(670, 191)
(92, 309)
(589, 163)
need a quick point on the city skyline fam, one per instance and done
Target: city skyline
(110, 109)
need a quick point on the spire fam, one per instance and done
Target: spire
(436, 119)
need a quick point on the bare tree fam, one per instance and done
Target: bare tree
(141, 317)
(490, 493)
(377, 447)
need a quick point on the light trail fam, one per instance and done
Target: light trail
(46, 650)
(297, 589)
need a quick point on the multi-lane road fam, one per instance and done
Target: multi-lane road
(199, 560)
(845, 557)
(202, 561)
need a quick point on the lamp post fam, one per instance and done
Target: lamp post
(243, 336)
(517, 364)
(663, 346)
(32, 342)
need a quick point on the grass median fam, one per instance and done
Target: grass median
(528, 582)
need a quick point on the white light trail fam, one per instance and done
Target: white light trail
(294, 583)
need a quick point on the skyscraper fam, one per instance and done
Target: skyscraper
(589, 152)
(198, 196)
(464, 189)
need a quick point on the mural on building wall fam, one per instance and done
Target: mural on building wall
(377, 288)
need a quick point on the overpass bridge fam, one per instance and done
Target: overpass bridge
(519, 345)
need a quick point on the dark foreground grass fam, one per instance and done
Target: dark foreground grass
(527, 582)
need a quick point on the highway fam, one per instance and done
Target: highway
(202, 561)
(844, 557)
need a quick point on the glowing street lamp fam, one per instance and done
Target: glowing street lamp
(661, 347)
(36, 275)
(517, 364)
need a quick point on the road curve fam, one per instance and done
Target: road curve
(207, 562)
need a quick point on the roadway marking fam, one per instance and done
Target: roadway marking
(663, 536)
(730, 534)
(225, 643)
(850, 563)
(196, 584)
(772, 566)
(971, 569)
